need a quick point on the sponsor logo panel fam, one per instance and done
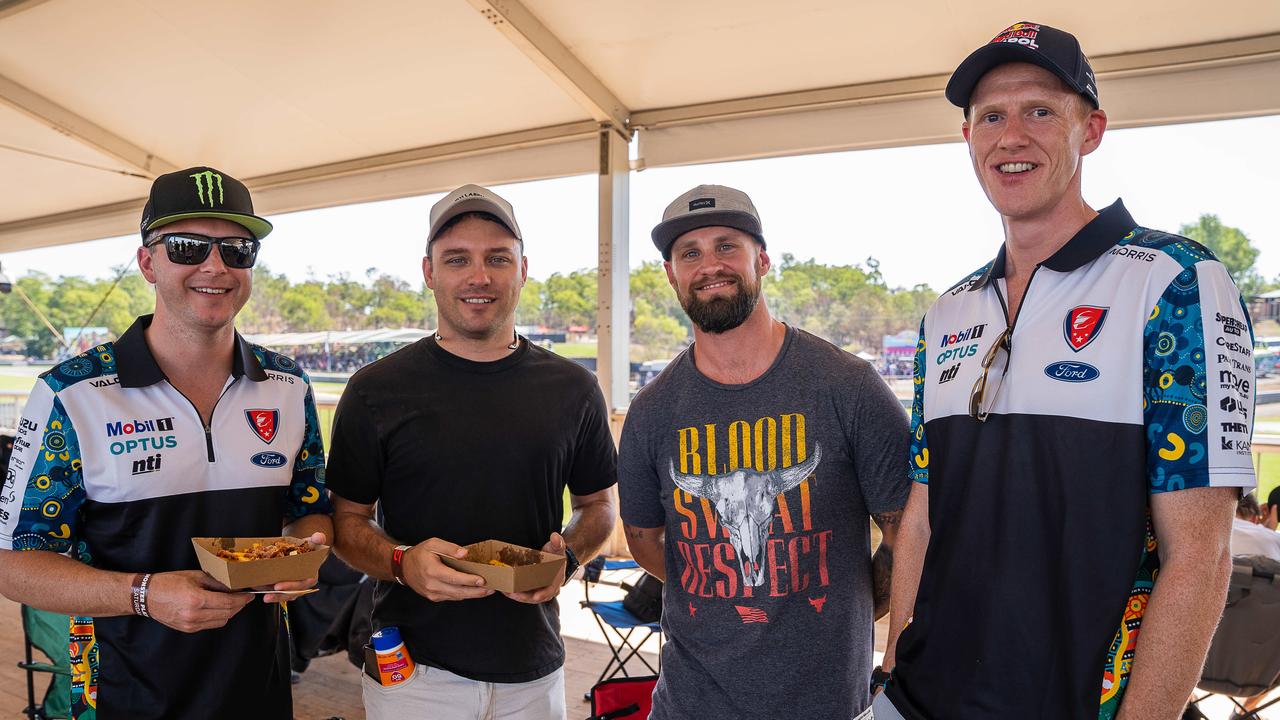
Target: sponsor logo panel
(1082, 325)
(949, 374)
(269, 459)
(264, 423)
(148, 464)
(1072, 372)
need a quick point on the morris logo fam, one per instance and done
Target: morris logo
(206, 183)
(1072, 372)
(269, 460)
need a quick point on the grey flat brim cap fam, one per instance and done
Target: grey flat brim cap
(706, 206)
(472, 198)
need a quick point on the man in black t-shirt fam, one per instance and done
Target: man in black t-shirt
(470, 434)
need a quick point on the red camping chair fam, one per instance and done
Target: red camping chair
(623, 698)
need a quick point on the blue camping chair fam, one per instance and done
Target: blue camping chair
(624, 633)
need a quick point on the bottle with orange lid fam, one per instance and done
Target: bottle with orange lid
(394, 664)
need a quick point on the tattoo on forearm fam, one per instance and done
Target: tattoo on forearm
(881, 577)
(887, 519)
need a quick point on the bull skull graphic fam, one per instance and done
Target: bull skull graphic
(744, 500)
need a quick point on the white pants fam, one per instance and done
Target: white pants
(435, 694)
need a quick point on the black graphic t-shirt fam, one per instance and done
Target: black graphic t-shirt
(764, 490)
(469, 451)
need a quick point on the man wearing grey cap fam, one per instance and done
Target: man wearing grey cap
(470, 434)
(748, 470)
(1080, 432)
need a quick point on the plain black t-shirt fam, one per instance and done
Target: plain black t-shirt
(469, 451)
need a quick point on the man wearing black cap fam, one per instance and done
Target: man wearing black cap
(468, 435)
(178, 429)
(1080, 431)
(748, 470)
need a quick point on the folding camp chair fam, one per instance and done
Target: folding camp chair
(623, 698)
(616, 623)
(1244, 658)
(46, 632)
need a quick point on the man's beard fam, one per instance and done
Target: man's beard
(722, 314)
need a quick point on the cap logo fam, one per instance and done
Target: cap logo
(1020, 34)
(701, 203)
(206, 181)
(466, 195)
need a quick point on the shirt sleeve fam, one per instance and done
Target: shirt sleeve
(306, 491)
(879, 438)
(919, 460)
(355, 459)
(595, 463)
(639, 486)
(1198, 392)
(43, 488)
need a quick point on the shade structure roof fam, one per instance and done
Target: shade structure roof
(317, 103)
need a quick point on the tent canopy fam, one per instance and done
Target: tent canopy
(323, 103)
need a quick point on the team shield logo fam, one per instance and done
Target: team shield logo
(264, 422)
(1082, 325)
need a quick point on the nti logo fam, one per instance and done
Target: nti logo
(949, 374)
(206, 182)
(137, 427)
(149, 464)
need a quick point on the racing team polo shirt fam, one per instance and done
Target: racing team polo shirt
(1130, 374)
(114, 467)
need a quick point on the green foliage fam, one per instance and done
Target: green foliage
(1233, 248)
(847, 304)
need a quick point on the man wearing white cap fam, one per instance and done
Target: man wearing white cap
(470, 434)
(748, 470)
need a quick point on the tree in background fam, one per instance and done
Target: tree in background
(1233, 248)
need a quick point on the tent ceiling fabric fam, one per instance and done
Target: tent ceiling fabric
(317, 104)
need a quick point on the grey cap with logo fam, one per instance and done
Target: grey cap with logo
(472, 198)
(706, 206)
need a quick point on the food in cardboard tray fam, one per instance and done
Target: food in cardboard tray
(258, 551)
(512, 557)
(498, 563)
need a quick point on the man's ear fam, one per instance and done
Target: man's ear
(145, 265)
(426, 272)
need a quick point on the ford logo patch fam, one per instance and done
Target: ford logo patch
(269, 460)
(1073, 372)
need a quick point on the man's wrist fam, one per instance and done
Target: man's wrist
(139, 586)
(397, 562)
(879, 679)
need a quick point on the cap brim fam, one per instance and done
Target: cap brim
(966, 77)
(666, 232)
(254, 224)
(475, 205)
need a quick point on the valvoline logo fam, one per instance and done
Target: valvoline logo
(1072, 372)
(269, 459)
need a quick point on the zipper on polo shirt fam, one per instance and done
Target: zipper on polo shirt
(208, 426)
(1011, 324)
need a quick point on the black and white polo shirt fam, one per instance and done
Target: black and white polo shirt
(1130, 373)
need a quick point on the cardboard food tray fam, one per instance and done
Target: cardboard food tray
(519, 578)
(254, 573)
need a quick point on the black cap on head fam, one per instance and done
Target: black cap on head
(1054, 50)
(201, 192)
(1274, 498)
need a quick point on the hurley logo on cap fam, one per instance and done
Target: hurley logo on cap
(206, 182)
(701, 203)
(1020, 34)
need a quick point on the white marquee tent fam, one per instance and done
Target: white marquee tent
(319, 102)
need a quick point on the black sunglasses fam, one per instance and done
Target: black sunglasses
(193, 248)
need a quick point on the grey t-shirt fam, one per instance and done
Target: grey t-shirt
(764, 490)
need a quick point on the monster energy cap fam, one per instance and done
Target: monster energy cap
(706, 206)
(201, 192)
(472, 198)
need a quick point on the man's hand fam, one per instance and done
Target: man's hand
(316, 539)
(435, 581)
(536, 597)
(190, 601)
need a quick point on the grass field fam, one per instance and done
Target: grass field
(574, 350)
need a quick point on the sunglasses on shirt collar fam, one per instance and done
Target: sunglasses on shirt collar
(193, 248)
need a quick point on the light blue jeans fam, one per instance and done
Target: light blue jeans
(435, 694)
